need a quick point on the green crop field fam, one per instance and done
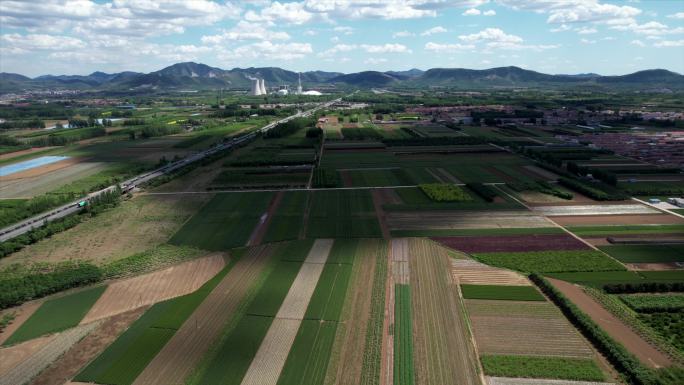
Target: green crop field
(342, 214)
(654, 302)
(551, 261)
(310, 353)
(619, 277)
(295, 251)
(646, 253)
(328, 297)
(343, 251)
(513, 293)
(268, 300)
(542, 367)
(226, 221)
(404, 373)
(235, 353)
(128, 355)
(288, 220)
(57, 314)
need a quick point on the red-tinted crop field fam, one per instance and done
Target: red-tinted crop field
(512, 243)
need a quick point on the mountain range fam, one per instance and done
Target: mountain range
(189, 75)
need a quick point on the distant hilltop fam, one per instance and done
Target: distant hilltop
(201, 76)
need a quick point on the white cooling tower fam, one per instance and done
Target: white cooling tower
(262, 87)
(256, 89)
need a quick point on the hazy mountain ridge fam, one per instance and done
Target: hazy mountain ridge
(196, 75)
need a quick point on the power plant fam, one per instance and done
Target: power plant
(258, 87)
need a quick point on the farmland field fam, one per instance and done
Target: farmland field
(57, 314)
(500, 292)
(342, 214)
(288, 220)
(645, 253)
(226, 221)
(551, 261)
(576, 369)
(492, 244)
(404, 373)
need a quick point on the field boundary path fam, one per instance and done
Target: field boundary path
(535, 381)
(32, 366)
(270, 359)
(380, 213)
(22, 313)
(176, 360)
(645, 352)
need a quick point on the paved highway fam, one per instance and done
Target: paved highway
(26, 225)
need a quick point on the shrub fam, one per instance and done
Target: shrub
(442, 192)
(485, 192)
(592, 191)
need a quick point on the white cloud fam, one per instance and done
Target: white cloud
(471, 12)
(652, 28)
(638, 43)
(344, 30)
(587, 41)
(495, 38)
(310, 32)
(245, 30)
(490, 12)
(576, 11)
(678, 15)
(403, 34)
(290, 13)
(434, 30)
(266, 50)
(436, 47)
(586, 30)
(562, 28)
(669, 43)
(18, 44)
(370, 48)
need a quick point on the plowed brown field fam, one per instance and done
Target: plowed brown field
(422, 220)
(444, 353)
(181, 354)
(13, 355)
(154, 287)
(468, 271)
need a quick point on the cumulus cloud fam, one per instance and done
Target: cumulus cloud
(434, 30)
(652, 28)
(245, 30)
(344, 30)
(445, 48)
(471, 12)
(370, 48)
(495, 38)
(266, 50)
(490, 12)
(16, 43)
(586, 30)
(576, 11)
(587, 41)
(669, 43)
(678, 15)
(290, 13)
(638, 43)
(375, 61)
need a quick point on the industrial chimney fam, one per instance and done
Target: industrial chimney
(262, 87)
(256, 89)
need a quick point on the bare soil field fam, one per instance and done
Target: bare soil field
(132, 293)
(41, 170)
(13, 355)
(421, 220)
(21, 314)
(135, 226)
(645, 352)
(85, 350)
(604, 209)
(346, 362)
(399, 258)
(532, 381)
(188, 345)
(30, 367)
(538, 198)
(444, 353)
(30, 186)
(590, 220)
(512, 243)
(655, 266)
(470, 272)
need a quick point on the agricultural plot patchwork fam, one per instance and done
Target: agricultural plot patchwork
(342, 214)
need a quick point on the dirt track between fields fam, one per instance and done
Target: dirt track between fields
(378, 201)
(188, 345)
(636, 345)
(13, 355)
(261, 228)
(84, 351)
(24, 152)
(174, 281)
(422, 220)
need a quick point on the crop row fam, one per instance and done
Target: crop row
(404, 373)
(552, 261)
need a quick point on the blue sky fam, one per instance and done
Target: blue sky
(551, 36)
